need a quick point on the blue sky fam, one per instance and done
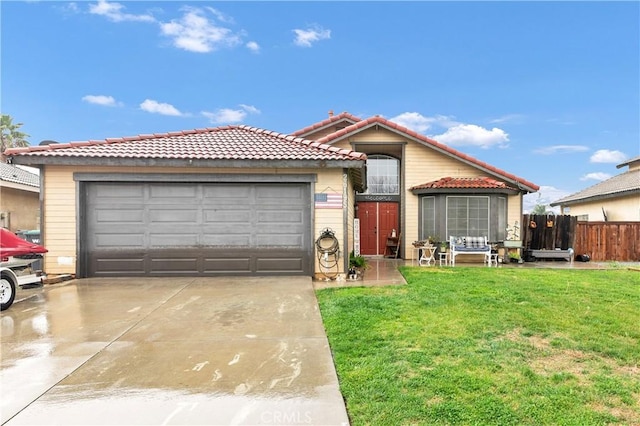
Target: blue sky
(549, 91)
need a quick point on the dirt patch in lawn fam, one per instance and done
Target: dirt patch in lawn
(547, 360)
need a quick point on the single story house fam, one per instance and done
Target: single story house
(19, 198)
(614, 199)
(239, 200)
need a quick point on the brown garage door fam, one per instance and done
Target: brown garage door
(191, 229)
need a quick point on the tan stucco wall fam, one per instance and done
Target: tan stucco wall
(622, 209)
(22, 206)
(60, 210)
(423, 164)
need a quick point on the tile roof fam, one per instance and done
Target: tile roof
(220, 143)
(13, 174)
(390, 125)
(459, 183)
(328, 122)
(620, 185)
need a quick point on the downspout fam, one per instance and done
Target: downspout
(42, 226)
(345, 218)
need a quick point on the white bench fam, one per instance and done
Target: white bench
(469, 245)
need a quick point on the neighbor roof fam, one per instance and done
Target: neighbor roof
(462, 183)
(13, 174)
(624, 184)
(629, 162)
(223, 145)
(520, 183)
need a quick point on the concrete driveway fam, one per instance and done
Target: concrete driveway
(203, 351)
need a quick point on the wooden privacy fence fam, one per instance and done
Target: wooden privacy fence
(609, 241)
(548, 232)
(602, 241)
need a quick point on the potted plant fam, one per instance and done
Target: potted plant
(442, 247)
(514, 257)
(357, 266)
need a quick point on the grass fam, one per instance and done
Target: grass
(487, 346)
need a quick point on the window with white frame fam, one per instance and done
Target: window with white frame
(383, 175)
(468, 215)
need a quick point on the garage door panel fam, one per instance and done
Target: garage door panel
(116, 265)
(175, 240)
(169, 192)
(172, 265)
(267, 217)
(281, 229)
(289, 241)
(227, 216)
(129, 240)
(282, 193)
(177, 216)
(164, 228)
(236, 240)
(122, 192)
(229, 265)
(119, 215)
(279, 265)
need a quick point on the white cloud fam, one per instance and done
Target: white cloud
(230, 116)
(155, 107)
(561, 149)
(420, 123)
(70, 8)
(545, 196)
(414, 121)
(101, 100)
(250, 109)
(253, 46)
(473, 135)
(115, 12)
(220, 16)
(456, 133)
(196, 33)
(599, 176)
(507, 118)
(608, 156)
(305, 38)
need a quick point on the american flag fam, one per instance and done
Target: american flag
(328, 201)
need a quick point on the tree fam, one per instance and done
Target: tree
(540, 209)
(11, 137)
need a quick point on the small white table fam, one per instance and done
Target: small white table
(427, 255)
(443, 258)
(491, 258)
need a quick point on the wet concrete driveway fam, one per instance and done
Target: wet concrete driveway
(185, 351)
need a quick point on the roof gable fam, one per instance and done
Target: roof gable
(368, 123)
(344, 118)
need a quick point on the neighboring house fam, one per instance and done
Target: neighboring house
(19, 198)
(238, 200)
(615, 199)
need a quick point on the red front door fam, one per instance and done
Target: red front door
(377, 221)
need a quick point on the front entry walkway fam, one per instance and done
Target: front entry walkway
(214, 351)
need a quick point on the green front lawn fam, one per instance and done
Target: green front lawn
(489, 346)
